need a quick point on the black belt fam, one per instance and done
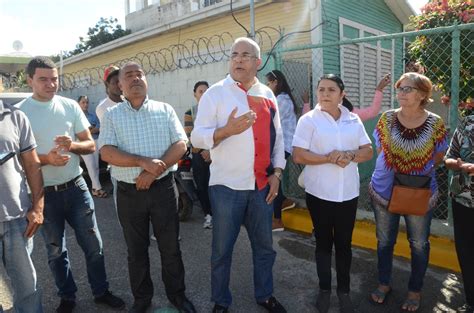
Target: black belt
(62, 187)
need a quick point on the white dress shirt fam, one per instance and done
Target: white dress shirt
(318, 132)
(233, 158)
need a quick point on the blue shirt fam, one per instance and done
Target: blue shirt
(94, 121)
(148, 132)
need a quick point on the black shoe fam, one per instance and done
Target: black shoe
(110, 300)
(66, 306)
(220, 309)
(139, 308)
(466, 309)
(272, 305)
(183, 304)
(323, 301)
(345, 303)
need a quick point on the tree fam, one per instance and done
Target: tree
(434, 51)
(105, 30)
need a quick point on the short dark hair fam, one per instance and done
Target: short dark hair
(39, 62)
(82, 97)
(200, 83)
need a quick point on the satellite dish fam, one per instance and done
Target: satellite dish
(17, 45)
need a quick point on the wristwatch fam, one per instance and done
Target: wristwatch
(277, 174)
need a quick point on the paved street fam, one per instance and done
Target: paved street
(295, 277)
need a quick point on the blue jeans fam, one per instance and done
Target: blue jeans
(231, 209)
(418, 231)
(15, 251)
(76, 207)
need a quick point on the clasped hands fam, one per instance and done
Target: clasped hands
(341, 158)
(152, 168)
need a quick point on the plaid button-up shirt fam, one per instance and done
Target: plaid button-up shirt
(148, 131)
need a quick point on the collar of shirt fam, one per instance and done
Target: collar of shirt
(345, 113)
(4, 108)
(130, 107)
(230, 81)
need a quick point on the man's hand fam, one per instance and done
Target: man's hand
(35, 219)
(153, 166)
(63, 142)
(206, 155)
(274, 183)
(144, 180)
(237, 125)
(55, 158)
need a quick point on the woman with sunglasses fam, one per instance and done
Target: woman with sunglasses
(277, 82)
(409, 140)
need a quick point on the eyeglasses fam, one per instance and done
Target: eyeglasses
(406, 89)
(243, 57)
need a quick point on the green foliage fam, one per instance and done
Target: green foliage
(105, 30)
(434, 51)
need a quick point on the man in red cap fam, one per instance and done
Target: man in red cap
(114, 94)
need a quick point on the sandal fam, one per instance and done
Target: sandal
(99, 193)
(411, 303)
(380, 295)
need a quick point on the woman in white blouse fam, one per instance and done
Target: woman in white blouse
(330, 141)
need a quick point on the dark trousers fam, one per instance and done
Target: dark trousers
(333, 223)
(464, 241)
(201, 177)
(136, 209)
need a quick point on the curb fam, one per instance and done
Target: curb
(442, 252)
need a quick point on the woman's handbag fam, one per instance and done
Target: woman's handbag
(410, 195)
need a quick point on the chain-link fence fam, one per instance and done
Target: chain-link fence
(445, 54)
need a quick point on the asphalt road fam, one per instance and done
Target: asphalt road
(295, 278)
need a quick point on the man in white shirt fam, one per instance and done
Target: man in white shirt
(112, 89)
(238, 121)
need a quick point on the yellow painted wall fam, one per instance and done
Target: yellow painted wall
(290, 16)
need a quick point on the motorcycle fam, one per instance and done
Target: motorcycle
(186, 187)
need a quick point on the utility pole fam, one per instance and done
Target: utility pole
(252, 19)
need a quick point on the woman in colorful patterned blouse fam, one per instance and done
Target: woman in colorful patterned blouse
(460, 159)
(409, 140)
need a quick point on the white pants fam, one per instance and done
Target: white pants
(92, 164)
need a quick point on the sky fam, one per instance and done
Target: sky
(45, 27)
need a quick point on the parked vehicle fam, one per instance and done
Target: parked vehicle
(13, 98)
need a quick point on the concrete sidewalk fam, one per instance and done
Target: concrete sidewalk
(295, 279)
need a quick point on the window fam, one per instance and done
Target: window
(364, 64)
